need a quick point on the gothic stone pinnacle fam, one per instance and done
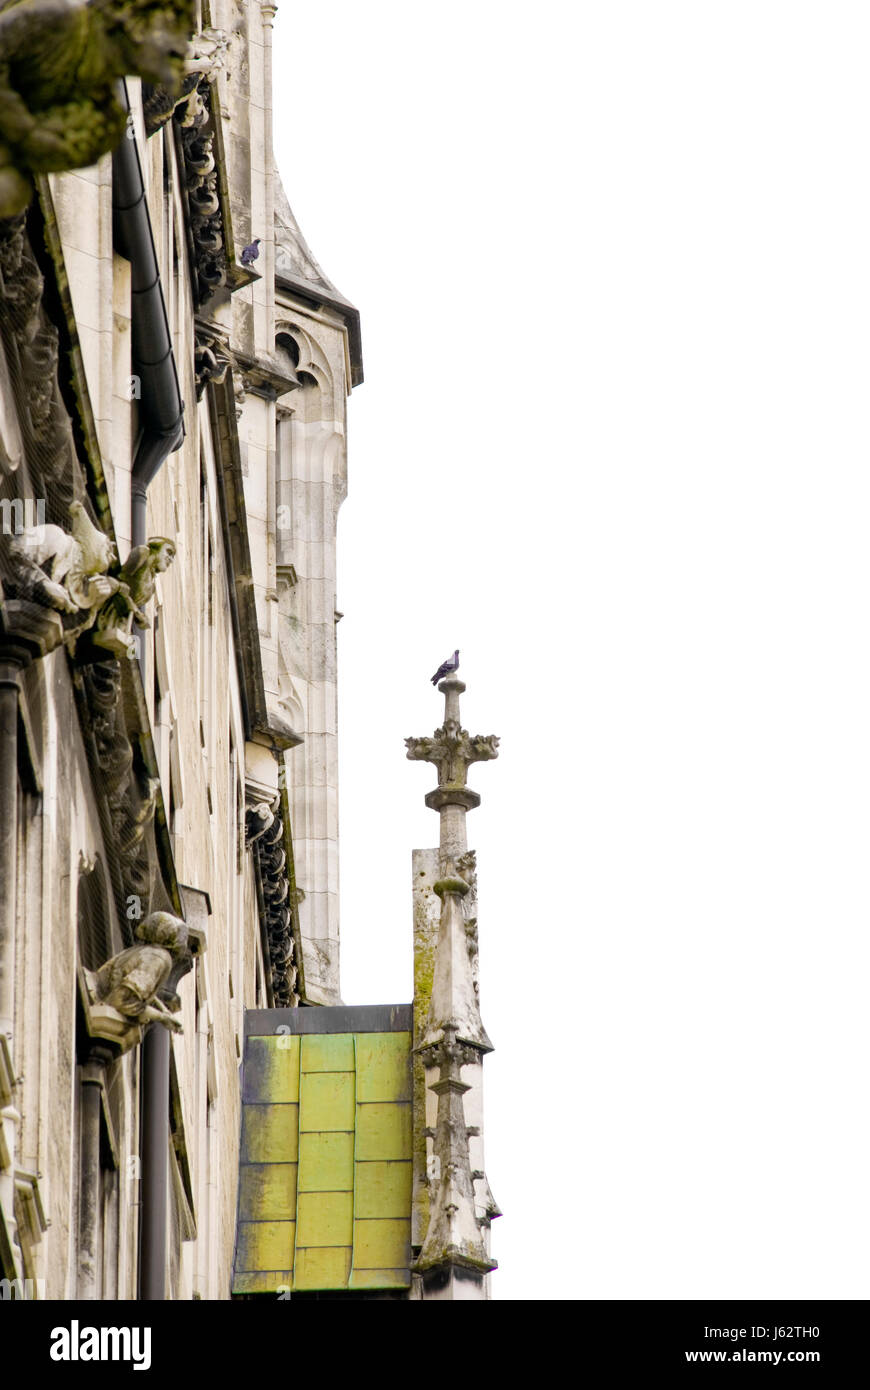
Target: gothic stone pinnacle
(452, 750)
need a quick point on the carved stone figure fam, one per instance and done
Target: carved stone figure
(60, 61)
(65, 572)
(204, 58)
(206, 222)
(211, 364)
(130, 981)
(115, 620)
(264, 829)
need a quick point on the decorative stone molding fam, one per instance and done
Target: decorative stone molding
(206, 221)
(453, 1237)
(129, 808)
(114, 753)
(59, 112)
(453, 750)
(264, 833)
(204, 58)
(212, 360)
(269, 378)
(32, 341)
(159, 104)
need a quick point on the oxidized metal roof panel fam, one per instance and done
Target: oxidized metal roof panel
(325, 1171)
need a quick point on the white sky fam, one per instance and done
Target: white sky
(613, 266)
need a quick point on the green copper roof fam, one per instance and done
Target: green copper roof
(325, 1161)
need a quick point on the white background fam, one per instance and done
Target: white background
(613, 265)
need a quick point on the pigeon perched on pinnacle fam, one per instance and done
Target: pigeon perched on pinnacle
(447, 667)
(251, 253)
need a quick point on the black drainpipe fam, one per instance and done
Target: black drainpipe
(162, 432)
(161, 406)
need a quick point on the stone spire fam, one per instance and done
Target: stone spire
(454, 1258)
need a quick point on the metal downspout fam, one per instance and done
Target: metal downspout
(162, 419)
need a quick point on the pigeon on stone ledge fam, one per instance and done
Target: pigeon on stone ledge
(447, 667)
(251, 253)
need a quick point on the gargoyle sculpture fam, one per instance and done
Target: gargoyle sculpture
(130, 981)
(114, 629)
(60, 61)
(61, 571)
(68, 573)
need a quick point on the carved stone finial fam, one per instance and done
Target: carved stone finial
(452, 749)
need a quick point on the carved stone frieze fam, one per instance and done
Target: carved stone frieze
(206, 219)
(103, 681)
(129, 804)
(31, 343)
(264, 831)
(204, 58)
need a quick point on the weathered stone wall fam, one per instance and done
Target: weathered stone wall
(311, 485)
(292, 462)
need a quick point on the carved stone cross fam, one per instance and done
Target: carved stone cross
(452, 749)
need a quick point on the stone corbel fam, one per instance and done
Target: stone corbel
(265, 377)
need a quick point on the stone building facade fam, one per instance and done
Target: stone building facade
(159, 386)
(174, 376)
